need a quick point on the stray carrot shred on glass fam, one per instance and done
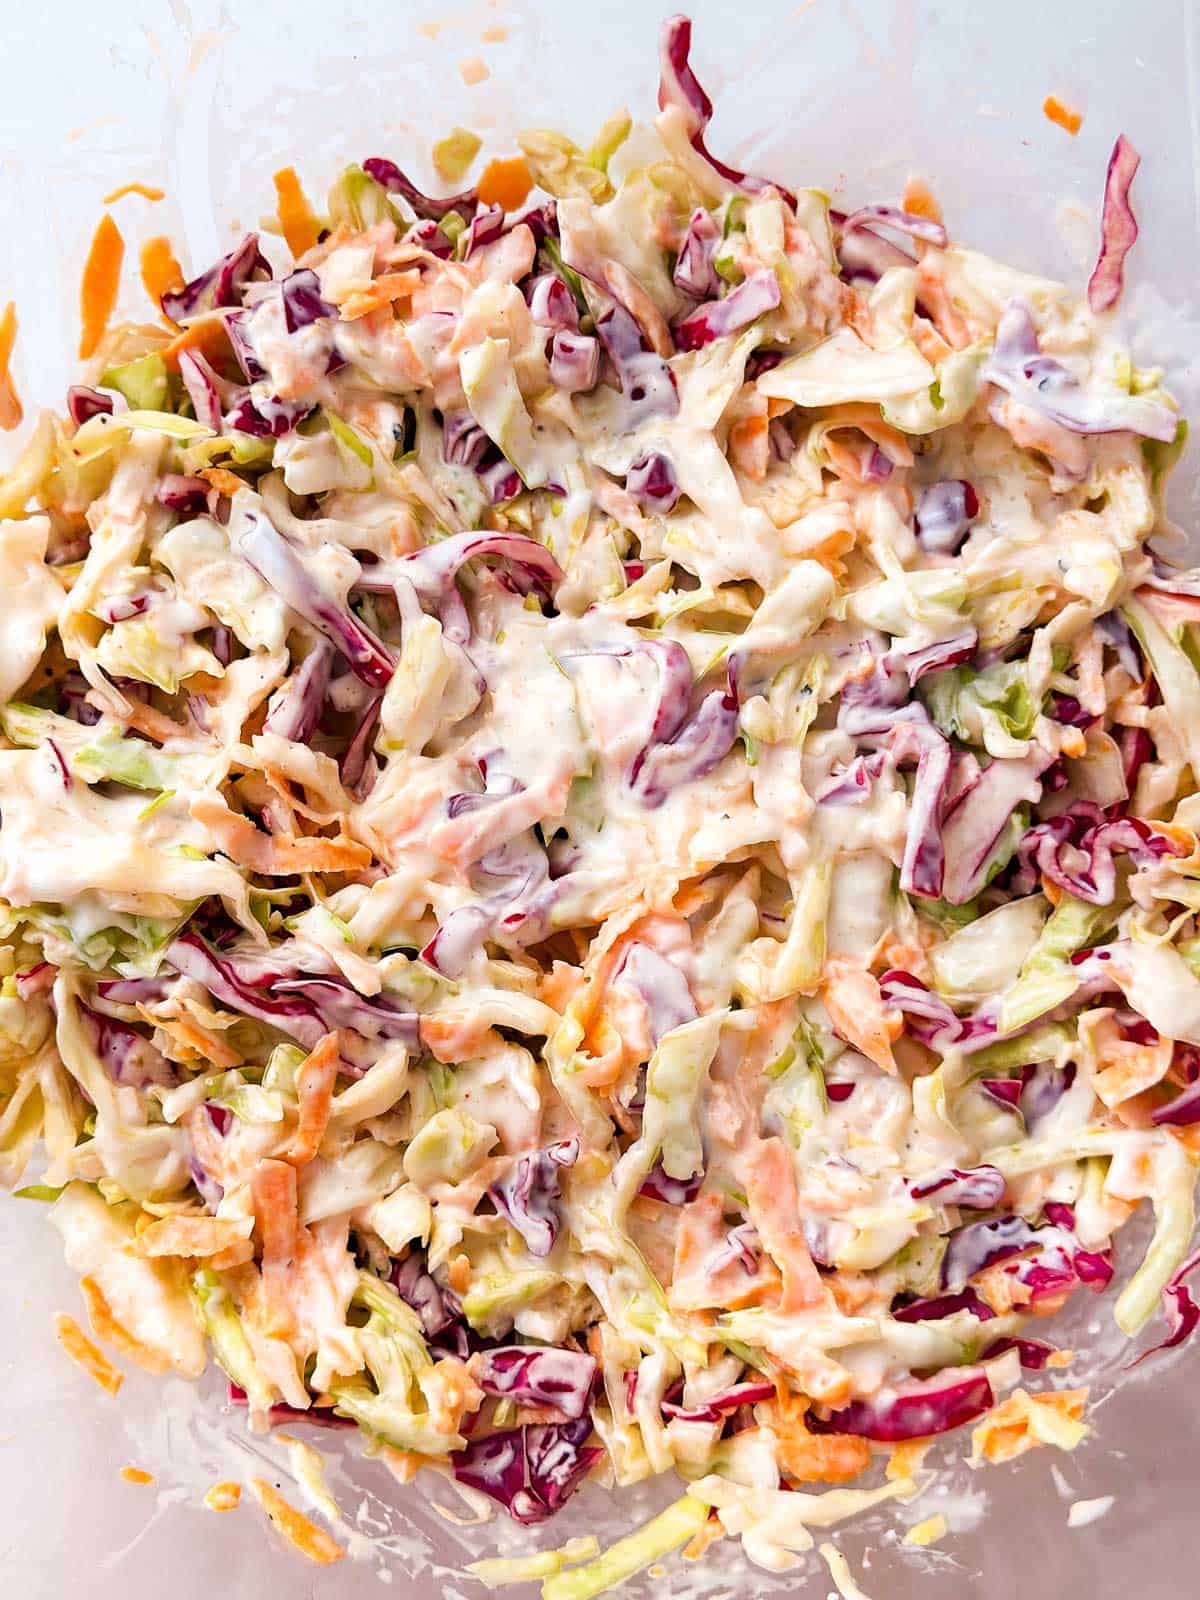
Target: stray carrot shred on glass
(920, 199)
(505, 183)
(161, 272)
(87, 1355)
(1060, 112)
(136, 1475)
(295, 1527)
(101, 280)
(11, 410)
(297, 220)
(148, 191)
(223, 1496)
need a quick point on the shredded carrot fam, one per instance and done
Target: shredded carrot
(905, 1459)
(857, 1011)
(749, 442)
(814, 1457)
(699, 1542)
(198, 1042)
(85, 1354)
(101, 280)
(920, 200)
(315, 1080)
(473, 70)
(136, 1475)
(189, 1237)
(223, 481)
(1058, 111)
(387, 287)
(301, 227)
(207, 337)
(295, 1527)
(1024, 1421)
(273, 1193)
(223, 1496)
(505, 183)
(11, 410)
(161, 272)
(458, 1273)
(148, 191)
(105, 1326)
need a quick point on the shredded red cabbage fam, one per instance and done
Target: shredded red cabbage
(529, 1194)
(679, 87)
(539, 1375)
(1118, 228)
(913, 1410)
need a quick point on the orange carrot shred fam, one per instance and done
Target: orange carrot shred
(148, 191)
(505, 183)
(1058, 111)
(101, 280)
(11, 410)
(85, 1354)
(920, 199)
(161, 273)
(136, 1475)
(295, 1527)
(300, 225)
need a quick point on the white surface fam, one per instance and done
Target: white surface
(207, 101)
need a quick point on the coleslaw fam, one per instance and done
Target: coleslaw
(598, 865)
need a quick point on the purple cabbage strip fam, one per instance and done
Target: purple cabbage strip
(1181, 1310)
(222, 285)
(973, 824)
(237, 329)
(902, 221)
(852, 785)
(302, 303)
(694, 272)
(944, 1305)
(944, 514)
(437, 1308)
(1118, 228)
(200, 382)
(652, 482)
(574, 361)
(539, 1375)
(980, 1244)
(865, 254)
(1032, 1353)
(937, 657)
(303, 1007)
(129, 991)
(703, 741)
(1076, 850)
(671, 1191)
(750, 1393)
(551, 303)
(530, 1471)
(464, 443)
(529, 1194)
(429, 236)
(486, 227)
(295, 708)
(83, 404)
(187, 497)
(646, 380)
(914, 1410)
(1018, 367)
(678, 86)
(980, 1188)
(432, 572)
(356, 769)
(128, 1056)
(272, 557)
(388, 174)
(266, 416)
(662, 987)
(752, 299)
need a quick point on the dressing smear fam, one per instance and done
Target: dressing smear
(598, 871)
